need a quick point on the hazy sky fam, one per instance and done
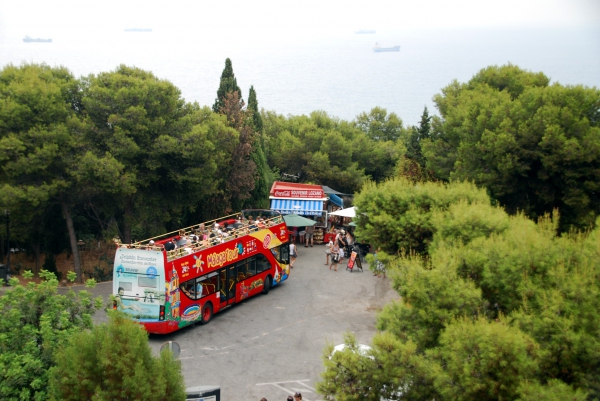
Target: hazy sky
(239, 18)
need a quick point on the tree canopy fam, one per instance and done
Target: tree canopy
(113, 361)
(37, 321)
(534, 146)
(492, 306)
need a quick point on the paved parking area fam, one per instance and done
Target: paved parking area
(272, 345)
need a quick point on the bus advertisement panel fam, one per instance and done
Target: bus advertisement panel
(138, 283)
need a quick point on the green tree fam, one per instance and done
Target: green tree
(143, 124)
(534, 146)
(417, 135)
(41, 145)
(264, 176)
(35, 321)
(498, 308)
(380, 126)
(113, 361)
(483, 360)
(228, 84)
(396, 214)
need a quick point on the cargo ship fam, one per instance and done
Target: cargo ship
(27, 39)
(378, 48)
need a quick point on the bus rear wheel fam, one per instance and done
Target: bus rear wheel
(267, 285)
(207, 312)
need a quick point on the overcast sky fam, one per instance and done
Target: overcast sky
(283, 17)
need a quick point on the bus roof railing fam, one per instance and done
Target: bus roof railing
(198, 236)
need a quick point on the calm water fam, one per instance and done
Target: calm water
(341, 75)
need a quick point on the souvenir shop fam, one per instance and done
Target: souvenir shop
(311, 201)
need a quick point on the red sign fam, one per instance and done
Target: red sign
(290, 190)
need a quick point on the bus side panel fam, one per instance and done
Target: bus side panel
(139, 283)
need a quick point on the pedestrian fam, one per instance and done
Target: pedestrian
(290, 398)
(328, 248)
(340, 240)
(335, 256)
(297, 396)
(263, 399)
(310, 232)
(293, 254)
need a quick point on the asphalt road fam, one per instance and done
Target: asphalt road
(272, 345)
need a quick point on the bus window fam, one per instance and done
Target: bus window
(252, 266)
(207, 285)
(262, 263)
(241, 270)
(147, 281)
(126, 285)
(189, 288)
(282, 253)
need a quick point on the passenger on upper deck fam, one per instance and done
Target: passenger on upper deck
(170, 245)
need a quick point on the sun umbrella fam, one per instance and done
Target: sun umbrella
(348, 212)
(294, 220)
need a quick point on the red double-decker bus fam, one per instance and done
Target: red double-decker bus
(180, 278)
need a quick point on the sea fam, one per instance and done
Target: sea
(336, 73)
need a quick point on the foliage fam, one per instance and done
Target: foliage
(397, 214)
(113, 361)
(40, 146)
(534, 146)
(380, 126)
(499, 308)
(481, 360)
(416, 136)
(431, 299)
(160, 149)
(227, 86)
(322, 149)
(35, 321)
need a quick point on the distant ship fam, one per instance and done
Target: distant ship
(363, 31)
(29, 40)
(138, 29)
(378, 48)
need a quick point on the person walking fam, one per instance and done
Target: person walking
(340, 240)
(335, 256)
(293, 254)
(310, 232)
(328, 249)
(298, 397)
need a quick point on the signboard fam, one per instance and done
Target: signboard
(353, 260)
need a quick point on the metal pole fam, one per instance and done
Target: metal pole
(7, 213)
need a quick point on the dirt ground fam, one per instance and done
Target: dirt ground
(96, 262)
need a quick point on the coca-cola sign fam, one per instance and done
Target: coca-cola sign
(298, 193)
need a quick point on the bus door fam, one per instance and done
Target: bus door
(227, 281)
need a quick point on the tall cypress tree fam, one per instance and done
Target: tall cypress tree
(228, 84)
(413, 146)
(260, 193)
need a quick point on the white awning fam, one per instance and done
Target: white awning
(348, 212)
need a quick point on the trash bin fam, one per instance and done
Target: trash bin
(3, 274)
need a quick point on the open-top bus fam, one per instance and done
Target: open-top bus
(213, 265)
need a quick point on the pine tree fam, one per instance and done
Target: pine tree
(112, 362)
(418, 134)
(228, 84)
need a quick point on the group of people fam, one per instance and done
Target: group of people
(305, 236)
(338, 248)
(296, 397)
(203, 237)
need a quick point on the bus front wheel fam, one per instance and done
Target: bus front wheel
(267, 285)
(207, 312)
